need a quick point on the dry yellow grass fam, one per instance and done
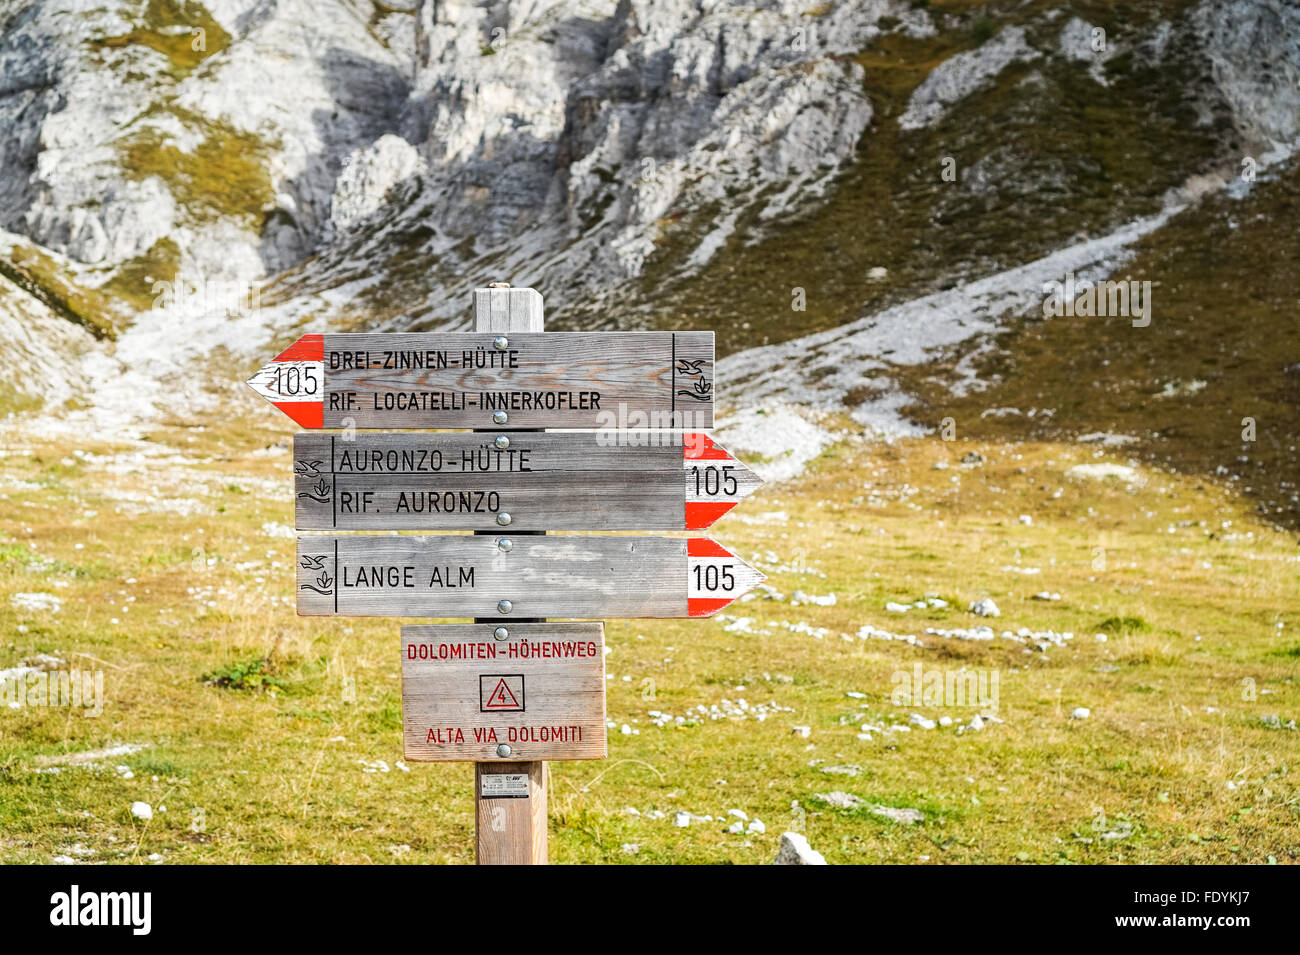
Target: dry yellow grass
(165, 575)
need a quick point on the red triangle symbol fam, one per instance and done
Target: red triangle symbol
(501, 698)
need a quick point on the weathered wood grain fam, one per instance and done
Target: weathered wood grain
(460, 380)
(538, 481)
(568, 576)
(517, 833)
(552, 705)
(511, 831)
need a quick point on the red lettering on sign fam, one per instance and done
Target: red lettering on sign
(501, 698)
(445, 734)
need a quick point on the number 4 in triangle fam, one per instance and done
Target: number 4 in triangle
(501, 692)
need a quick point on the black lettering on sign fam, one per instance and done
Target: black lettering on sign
(356, 502)
(451, 577)
(447, 502)
(390, 461)
(710, 577)
(379, 576)
(712, 480)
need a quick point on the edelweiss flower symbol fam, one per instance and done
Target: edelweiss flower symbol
(321, 492)
(324, 584)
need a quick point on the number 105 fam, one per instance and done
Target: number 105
(713, 577)
(296, 381)
(716, 481)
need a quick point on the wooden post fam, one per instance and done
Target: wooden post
(510, 830)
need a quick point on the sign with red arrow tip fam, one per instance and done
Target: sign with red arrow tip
(523, 380)
(524, 577)
(522, 480)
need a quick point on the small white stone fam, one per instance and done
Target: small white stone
(840, 800)
(1026, 520)
(142, 810)
(803, 732)
(756, 827)
(736, 827)
(1081, 713)
(985, 608)
(795, 850)
(975, 723)
(739, 814)
(681, 819)
(896, 814)
(917, 719)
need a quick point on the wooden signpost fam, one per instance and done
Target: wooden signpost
(521, 379)
(537, 689)
(456, 575)
(509, 691)
(558, 481)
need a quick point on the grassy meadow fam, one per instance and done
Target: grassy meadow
(270, 738)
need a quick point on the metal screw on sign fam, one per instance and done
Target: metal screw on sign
(500, 417)
(500, 633)
(503, 519)
(502, 442)
(505, 606)
(501, 343)
(505, 544)
(503, 749)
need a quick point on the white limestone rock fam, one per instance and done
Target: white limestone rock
(957, 77)
(795, 850)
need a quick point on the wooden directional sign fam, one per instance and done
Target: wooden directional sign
(525, 481)
(462, 575)
(537, 688)
(519, 380)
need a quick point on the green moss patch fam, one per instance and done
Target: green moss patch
(181, 30)
(224, 176)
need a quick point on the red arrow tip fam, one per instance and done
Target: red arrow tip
(715, 577)
(702, 514)
(697, 446)
(307, 348)
(308, 414)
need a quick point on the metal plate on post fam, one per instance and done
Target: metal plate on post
(503, 786)
(471, 693)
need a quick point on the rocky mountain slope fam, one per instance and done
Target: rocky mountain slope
(875, 190)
